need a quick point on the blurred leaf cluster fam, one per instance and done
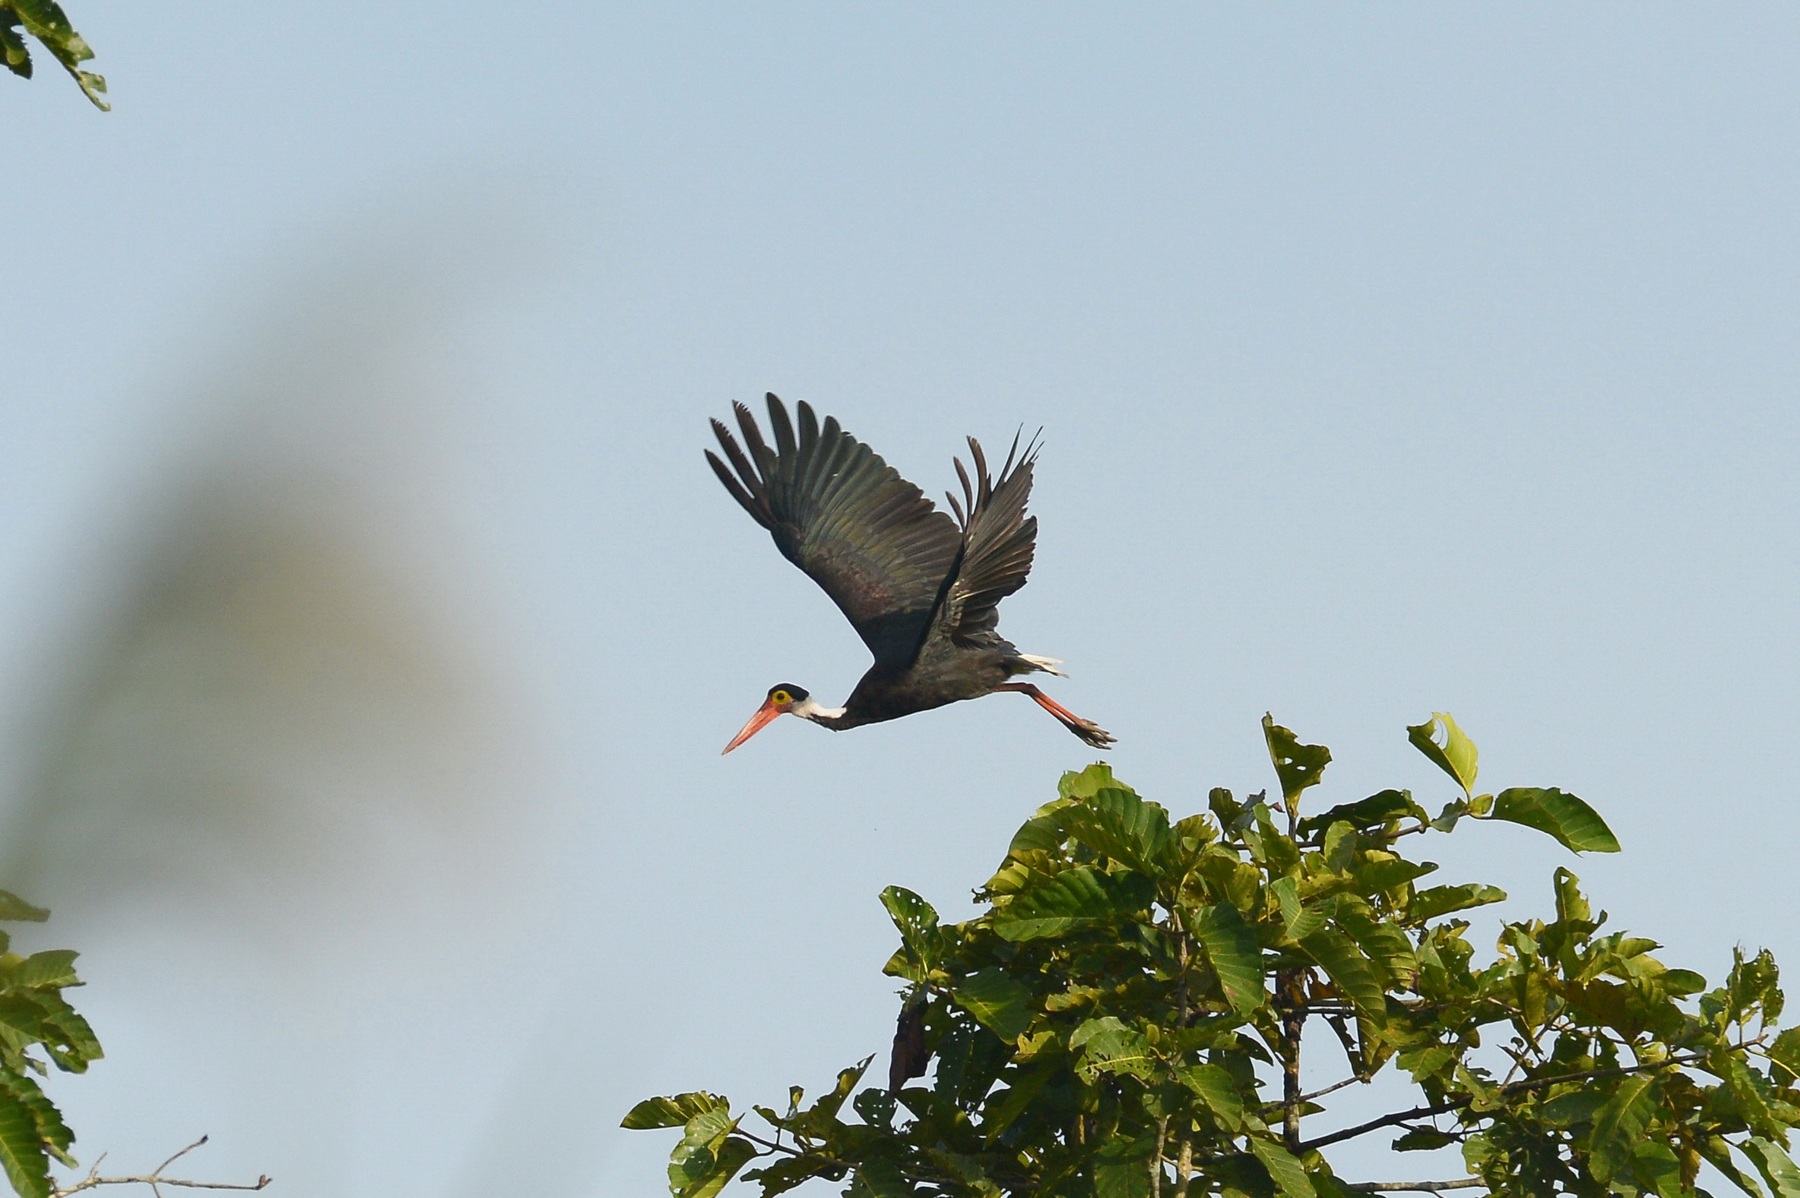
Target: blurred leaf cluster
(1125, 1019)
(46, 21)
(34, 1015)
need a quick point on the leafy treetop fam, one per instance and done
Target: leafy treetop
(1125, 1018)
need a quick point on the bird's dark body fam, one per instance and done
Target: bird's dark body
(921, 589)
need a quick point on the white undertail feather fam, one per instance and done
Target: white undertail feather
(1046, 664)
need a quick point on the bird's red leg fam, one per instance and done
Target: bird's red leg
(1087, 730)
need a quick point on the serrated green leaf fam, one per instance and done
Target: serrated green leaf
(1558, 814)
(1785, 1052)
(1297, 766)
(1456, 755)
(1231, 950)
(1442, 900)
(1716, 1151)
(1001, 1004)
(22, 1154)
(14, 51)
(1072, 898)
(672, 1111)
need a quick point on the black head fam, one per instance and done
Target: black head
(784, 694)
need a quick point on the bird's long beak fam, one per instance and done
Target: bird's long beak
(764, 714)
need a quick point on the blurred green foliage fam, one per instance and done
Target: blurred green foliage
(1125, 1019)
(46, 21)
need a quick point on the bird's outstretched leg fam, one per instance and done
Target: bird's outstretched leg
(1087, 730)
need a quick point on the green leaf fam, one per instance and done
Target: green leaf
(1775, 1165)
(1117, 823)
(1659, 1169)
(917, 921)
(1108, 1046)
(1619, 1124)
(1561, 815)
(1442, 900)
(1286, 1172)
(22, 1153)
(1122, 1169)
(53, 969)
(1716, 1151)
(673, 1111)
(1231, 950)
(1338, 955)
(1785, 1052)
(879, 1179)
(1215, 1088)
(1074, 897)
(12, 907)
(1372, 812)
(1001, 1004)
(1298, 766)
(13, 50)
(1087, 783)
(1456, 755)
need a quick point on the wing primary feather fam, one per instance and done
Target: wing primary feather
(737, 491)
(747, 472)
(782, 427)
(956, 507)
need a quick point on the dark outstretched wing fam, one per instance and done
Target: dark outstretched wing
(998, 542)
(869, 538)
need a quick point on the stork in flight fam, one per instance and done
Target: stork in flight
(922, 590)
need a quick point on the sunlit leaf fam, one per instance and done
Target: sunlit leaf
(918, 924)
(672, 1111)
(1232, 951)
(1442, 900)
(1073, 897)
(1563, 816)
(1118, 824)
(12, 907)
(1297, 766)
(1455, 754)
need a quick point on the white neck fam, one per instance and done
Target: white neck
(806, 709)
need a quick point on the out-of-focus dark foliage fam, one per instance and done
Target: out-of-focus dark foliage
(1125, 1018)
(46, 21)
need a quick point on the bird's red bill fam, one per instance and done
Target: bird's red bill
(767, 712)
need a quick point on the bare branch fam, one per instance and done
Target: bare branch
(1426, 1187)
(156, 1179)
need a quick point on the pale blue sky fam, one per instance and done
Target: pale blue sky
(1389, 360)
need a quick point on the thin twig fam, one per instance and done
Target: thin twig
(1519, 1087)
(1428, 1187)
(155, 1179)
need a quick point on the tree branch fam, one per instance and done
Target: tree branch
(1519, 1087)
(1428, 1187)
(156, 1178)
